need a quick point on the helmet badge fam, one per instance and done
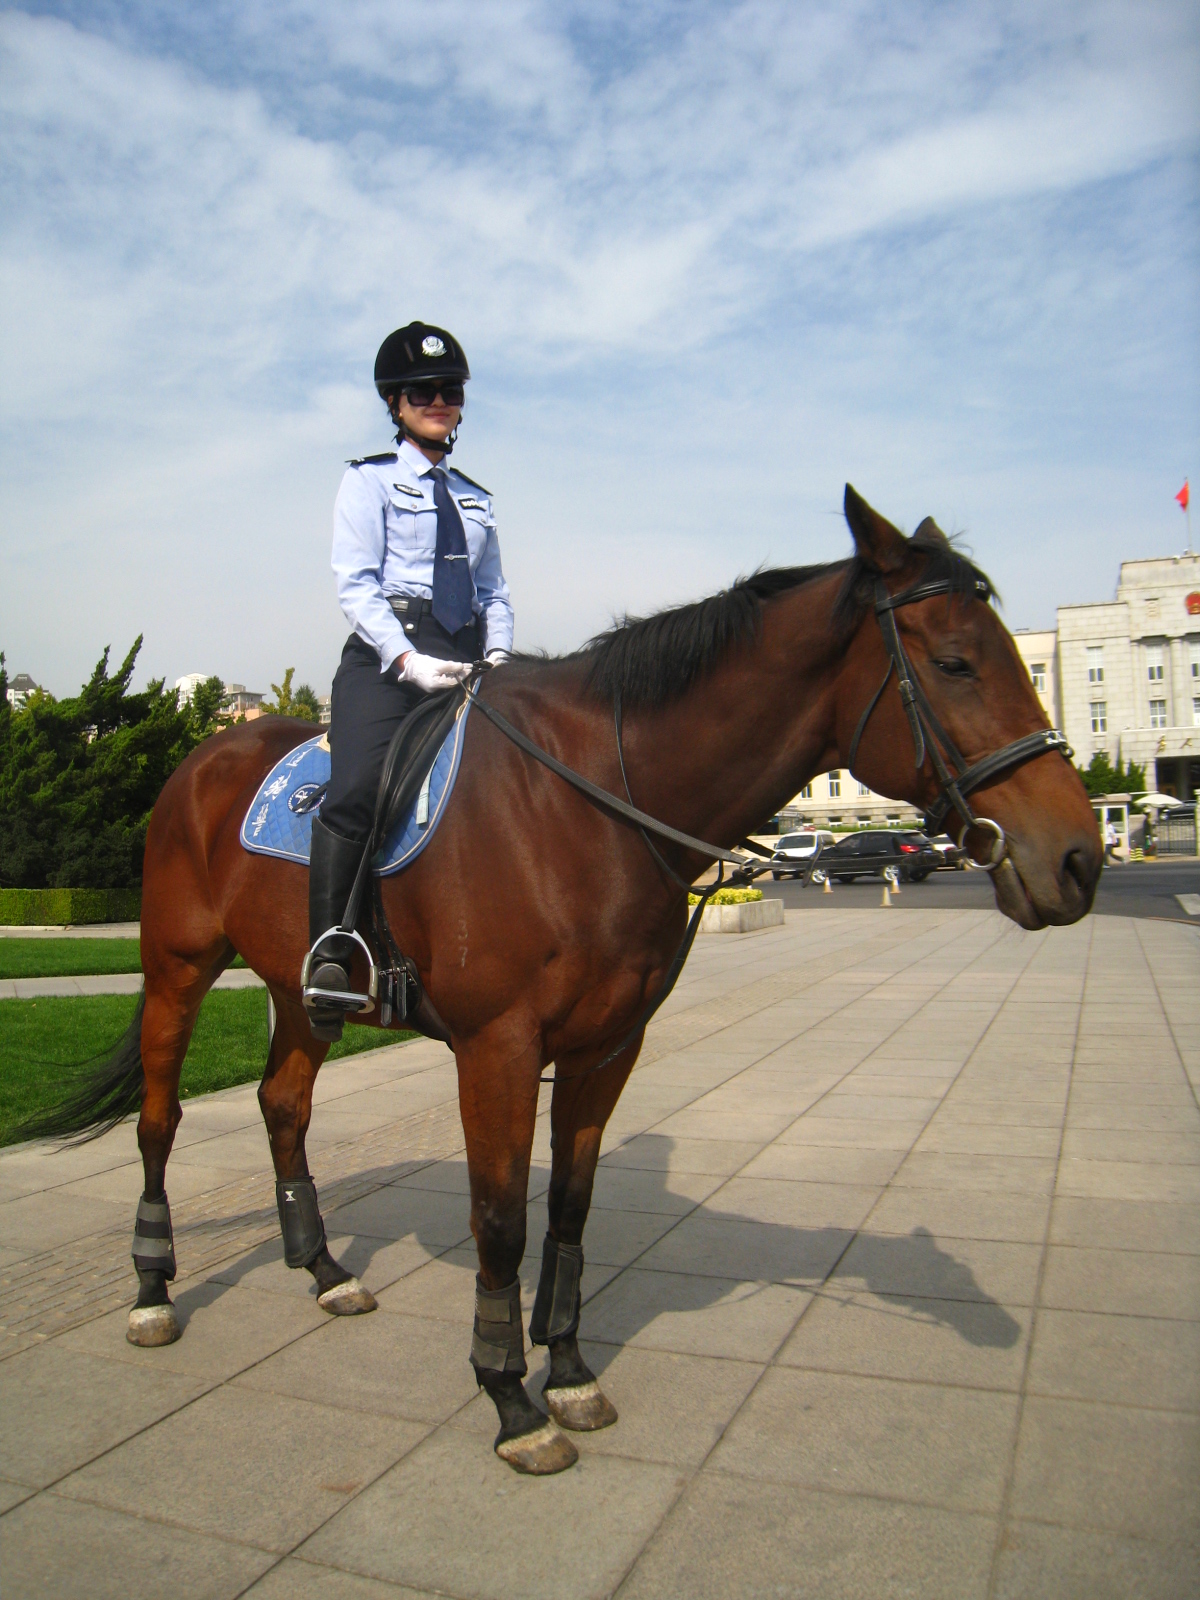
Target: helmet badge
(431, 345)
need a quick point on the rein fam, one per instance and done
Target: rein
(744, 870)
(929, 735)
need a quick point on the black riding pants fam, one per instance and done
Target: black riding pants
(368, 707)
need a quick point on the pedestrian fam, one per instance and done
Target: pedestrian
(420, 581)
(1111, 838)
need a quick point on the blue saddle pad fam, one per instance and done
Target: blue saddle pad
(279, 821)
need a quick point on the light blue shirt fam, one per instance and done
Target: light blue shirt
(384, 538)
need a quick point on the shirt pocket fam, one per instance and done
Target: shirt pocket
(410, 524)
(476, 525)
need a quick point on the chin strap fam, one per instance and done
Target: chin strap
(428, 444)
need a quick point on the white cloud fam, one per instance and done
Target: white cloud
(708, 262)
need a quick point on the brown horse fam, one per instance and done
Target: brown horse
(541, 924)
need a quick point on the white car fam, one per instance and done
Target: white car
(794, 852)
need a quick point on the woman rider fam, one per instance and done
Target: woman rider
(419, 578)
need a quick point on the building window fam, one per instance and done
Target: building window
(1158, 713)
(1100, 715)
(806, 792)
(1154, 663)
(864, 788)
(1095, 663)
(1038, 673)
(835, 784)
(1194, 648)
(1196, 711)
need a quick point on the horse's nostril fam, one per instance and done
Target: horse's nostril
(1079, 869)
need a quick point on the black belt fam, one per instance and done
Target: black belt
(410, 607)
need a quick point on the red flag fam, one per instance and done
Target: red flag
(1184, 496)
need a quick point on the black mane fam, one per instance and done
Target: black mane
(654, 660)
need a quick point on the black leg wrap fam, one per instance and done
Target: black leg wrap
(556, 1307)
(300, 1219)
(498, 1341)
(153, 1241)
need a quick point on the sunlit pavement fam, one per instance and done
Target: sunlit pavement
(893, 1274)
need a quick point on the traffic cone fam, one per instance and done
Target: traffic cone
(887, 898)
(894, 884)
(827, 887)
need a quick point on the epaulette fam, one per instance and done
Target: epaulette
(460, 473)
(362, 461)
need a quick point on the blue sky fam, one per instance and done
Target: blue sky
(709, 261)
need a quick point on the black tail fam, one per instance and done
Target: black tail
(104, 1093)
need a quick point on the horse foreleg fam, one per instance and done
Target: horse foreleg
(498, 1073)
(582, 1103)
(285, 1095)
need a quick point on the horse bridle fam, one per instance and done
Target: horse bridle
(956, 778)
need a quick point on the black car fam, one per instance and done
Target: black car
(910, 856)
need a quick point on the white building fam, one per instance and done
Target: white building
(19, 690)
(837, 800)
(1123, 675)
(186, 686)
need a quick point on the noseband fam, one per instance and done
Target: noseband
(956, 778)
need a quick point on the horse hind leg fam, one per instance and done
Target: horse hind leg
(166, 1029)
(285, 1096)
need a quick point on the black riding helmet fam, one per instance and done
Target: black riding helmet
(415, 355)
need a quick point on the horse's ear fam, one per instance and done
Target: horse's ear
(882, 547)
(930, 533)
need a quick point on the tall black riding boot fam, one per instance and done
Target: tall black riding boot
(332, 869)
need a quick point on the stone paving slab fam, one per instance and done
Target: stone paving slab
(109, 983)
(893, 1274)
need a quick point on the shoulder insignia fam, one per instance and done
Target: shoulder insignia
(362, 461)
(458, 473)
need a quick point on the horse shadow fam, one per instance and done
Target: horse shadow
(692, 1257)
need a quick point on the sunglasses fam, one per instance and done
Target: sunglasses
(424, 394)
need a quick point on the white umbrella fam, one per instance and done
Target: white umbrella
(1157, 802)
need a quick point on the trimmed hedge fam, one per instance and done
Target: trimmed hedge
(728, 897)
(57, 907)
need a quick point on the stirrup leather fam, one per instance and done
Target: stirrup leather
(316, 999)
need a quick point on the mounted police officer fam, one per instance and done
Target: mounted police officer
(419, 578)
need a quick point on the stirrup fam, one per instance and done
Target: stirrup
(338, 999)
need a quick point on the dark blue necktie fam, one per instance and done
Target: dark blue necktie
(451, 568)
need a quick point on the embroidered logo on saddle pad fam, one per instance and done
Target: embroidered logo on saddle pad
(279, 821)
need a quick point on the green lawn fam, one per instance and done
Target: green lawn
(71, 958)
(41, 1041)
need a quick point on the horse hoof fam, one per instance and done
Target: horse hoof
(540, 1453)
(583, 1408)
(151, 1325)
(347, 1299)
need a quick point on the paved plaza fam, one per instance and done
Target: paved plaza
(893, 1272)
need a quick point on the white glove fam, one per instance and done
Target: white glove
(430, 674)
(497, 658)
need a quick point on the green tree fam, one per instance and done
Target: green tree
(79, 777)
(302, 703)
(1101, 777)
(306, 703)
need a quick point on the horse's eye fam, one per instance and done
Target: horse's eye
(952, 666)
